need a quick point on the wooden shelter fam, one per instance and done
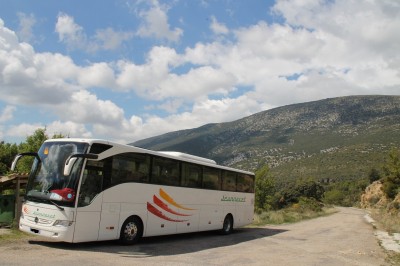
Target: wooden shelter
(12, 189)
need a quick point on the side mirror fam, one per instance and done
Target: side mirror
(18, 156)
(69, 163)
(14, 163)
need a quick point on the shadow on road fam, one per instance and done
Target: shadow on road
(167, 245)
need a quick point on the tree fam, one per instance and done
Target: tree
(265, 190)
(345, 192)
(32, 144)
(301, 188)
(391, 174)
(7, 153)
(373, 175)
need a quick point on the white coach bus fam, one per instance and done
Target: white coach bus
(88, 190)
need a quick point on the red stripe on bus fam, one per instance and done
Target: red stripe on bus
(159, 214)
(165, 207)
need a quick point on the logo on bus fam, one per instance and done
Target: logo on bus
(26, 210)
(233, 199)
(159, 203)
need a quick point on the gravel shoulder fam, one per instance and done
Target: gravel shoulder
(344, 238)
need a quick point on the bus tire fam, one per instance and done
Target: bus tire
(131, 231)
(227, 226)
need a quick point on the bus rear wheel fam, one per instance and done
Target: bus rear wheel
(131, 231)
(227, 226)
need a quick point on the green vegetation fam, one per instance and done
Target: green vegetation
(387, 215)
(278, 202)
(391, 174)
(345, 193)
(274, 195)
(12, 235)
(306, 208)
(7, 153)
(287, 200)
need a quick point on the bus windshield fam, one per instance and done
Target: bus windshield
(47, 181)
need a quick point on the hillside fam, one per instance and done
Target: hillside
(328, 139)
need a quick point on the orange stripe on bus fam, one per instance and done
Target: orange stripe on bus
(171, 201)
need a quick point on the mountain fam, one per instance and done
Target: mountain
(338, 138)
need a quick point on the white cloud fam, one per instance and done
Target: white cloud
(68, 129)
(109, 39)
(218, 28)
(23, 130)
(26, 23)
(7, 113)
(28, 77)
(370, 26)
(96, 75)
(197, 83)
(84, 107)
(74, 36)
(171, 106)
(70, 32)
(144, 79)
(156, 24)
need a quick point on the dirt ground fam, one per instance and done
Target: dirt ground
(344, 238)
(4, 231)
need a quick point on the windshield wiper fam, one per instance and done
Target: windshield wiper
(58, 206)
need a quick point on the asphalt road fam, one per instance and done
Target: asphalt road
(344, 238)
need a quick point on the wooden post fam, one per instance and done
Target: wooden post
(17, 200)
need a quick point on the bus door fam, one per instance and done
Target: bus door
(88, 213)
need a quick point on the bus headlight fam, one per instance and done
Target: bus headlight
(62, 223)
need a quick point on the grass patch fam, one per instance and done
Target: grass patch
(386, 220)
(291, 214)
(393, 258)
(12, 235)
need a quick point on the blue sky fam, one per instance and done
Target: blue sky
(128, 70)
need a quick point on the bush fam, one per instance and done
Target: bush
(309, 204)
(374, 175)
(391, 178)
(295, 213)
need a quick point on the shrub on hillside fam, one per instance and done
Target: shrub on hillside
(391, 174)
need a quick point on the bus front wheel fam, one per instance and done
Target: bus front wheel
(227, 227)
(131, 231)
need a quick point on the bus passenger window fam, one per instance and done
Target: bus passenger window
(245, 183)
(165, 172)
(191, 175)
(130, 167)
(211, 178)
(228, 181)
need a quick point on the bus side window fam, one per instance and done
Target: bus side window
(211, 178)
(143, 172)
(245, 183)
(228, 181)
(191, 175)
(165, 171)
(130, 167)
(91, 184)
